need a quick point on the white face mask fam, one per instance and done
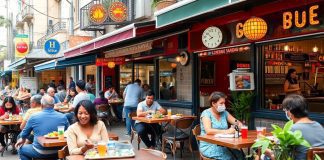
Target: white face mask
(221, 108)
(288, 116)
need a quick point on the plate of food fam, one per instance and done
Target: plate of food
(12, 119)
(52, 135)
(122, 150)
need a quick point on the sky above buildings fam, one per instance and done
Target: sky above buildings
(3, 11)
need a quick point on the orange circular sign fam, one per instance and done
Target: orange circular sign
(118, 11)
(97, 14)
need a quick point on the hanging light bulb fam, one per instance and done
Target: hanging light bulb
(111, 65)
(315, 49)
(286, 48)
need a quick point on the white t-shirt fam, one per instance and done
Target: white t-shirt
(80, 97)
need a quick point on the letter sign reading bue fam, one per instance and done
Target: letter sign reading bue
(300, 18)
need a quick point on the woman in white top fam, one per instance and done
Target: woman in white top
(82, 136)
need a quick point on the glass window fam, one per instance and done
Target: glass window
(294, 68)
(167, 87)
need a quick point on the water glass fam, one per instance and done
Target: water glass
(259, 132)
(60, 131)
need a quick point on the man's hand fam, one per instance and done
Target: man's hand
(20, 143)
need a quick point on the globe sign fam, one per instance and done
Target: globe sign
(52, 46)
(255, 28)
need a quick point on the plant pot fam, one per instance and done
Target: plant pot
(164, 3)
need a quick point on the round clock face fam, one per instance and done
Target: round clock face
(212, 37)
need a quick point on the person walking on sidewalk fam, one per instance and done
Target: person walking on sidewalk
(132, 96)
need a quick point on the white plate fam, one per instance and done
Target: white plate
(225, 135)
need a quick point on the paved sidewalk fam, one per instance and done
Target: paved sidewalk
(119, 129)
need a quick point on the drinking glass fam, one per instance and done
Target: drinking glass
(102, 148)
(244, 131)
(60, 131)
(264, 131)
(259, 132)
(169, 112)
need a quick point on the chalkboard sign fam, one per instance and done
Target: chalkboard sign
(296, 57)
(108, 81)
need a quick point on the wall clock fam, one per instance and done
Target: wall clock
(184, 58)
(212, 37)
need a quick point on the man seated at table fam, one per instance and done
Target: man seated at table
(35, 107)
(51, 92)
(41, 123)
(145, 108)
(111, 93)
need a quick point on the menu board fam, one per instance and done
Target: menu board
(30, 83)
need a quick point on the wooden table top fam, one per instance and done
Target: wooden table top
(4, 123)
(46, 142)
(158, 120)
(139, 155)
(235, 143)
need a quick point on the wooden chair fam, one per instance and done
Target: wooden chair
(179, 134)
(160, 154)
(312, 151)
(133, 131)
(62, 153)
(196, 132)
(104, 114)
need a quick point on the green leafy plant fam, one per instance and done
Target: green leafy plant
(240, 104)
(285, 142)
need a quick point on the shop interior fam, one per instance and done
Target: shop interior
(306, 57)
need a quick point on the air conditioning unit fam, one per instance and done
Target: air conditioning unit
(143, 9)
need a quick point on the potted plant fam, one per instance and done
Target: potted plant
(240, 104)
(283, 143)
(160, 4)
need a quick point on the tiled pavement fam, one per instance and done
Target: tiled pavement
(120, 130)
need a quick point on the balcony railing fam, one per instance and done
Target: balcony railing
(59, 26)
(27, 13)
(56, 27)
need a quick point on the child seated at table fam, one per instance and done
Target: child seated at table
(214, 121)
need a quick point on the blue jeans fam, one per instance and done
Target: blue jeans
(70, 117)
(27, 152)
(129, 121)
(144, 129)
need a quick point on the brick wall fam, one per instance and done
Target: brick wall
(184, 82)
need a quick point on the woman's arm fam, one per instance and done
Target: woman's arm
(231, 120)
(103, 131)
(209, 130)
(72, 143)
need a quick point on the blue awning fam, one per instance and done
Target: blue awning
(74, 61)
(6, 72)
(46, 66)
(17, 63)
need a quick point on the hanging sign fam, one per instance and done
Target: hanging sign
(52, 47)
(97, 14)
(21, 45)
(137, 48)
(118, 11)
(232, 50)
(105, 61)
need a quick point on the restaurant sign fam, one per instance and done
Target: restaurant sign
(105, 61)
(137, 48)
(97, 13)
(118, 11)
(222, 51)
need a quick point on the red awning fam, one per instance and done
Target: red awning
(124, 33)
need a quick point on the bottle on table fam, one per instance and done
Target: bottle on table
(237, 131)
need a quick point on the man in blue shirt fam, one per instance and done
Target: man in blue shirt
(132, 95)
(51, 92)
(41, 124)
(72, 83)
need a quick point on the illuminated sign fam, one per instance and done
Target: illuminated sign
(97, 14)
(106, 61)
(242, 49)
(118, 11)
(287, 18)
(253, 29)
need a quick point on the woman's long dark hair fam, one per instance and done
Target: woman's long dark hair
(10, 100)
(90, 108)
(102, 95)
(288, 77)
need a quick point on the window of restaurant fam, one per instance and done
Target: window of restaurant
(142, 71)
(306, 57)
(90, 74)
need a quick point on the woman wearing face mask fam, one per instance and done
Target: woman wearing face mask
(8, 107)
(82, 135)
(215, 121)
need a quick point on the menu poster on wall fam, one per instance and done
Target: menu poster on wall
(30, 83)
(241, 81)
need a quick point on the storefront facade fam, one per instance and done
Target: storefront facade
(288, 35)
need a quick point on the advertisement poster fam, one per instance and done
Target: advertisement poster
(21, 45)
(207, 73)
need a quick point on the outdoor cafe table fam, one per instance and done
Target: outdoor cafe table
(234, 143)
(47, 142)
(9, 123)
(139, 155)
(158, 120)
